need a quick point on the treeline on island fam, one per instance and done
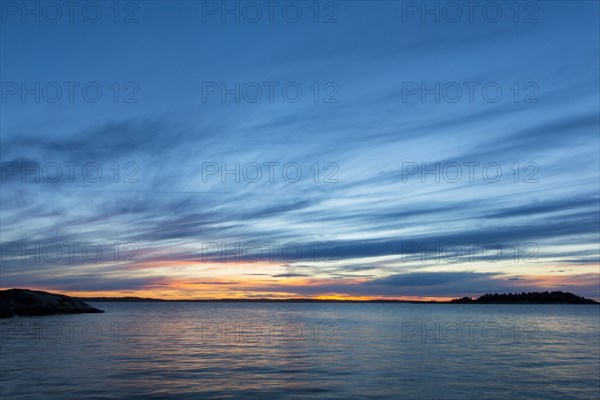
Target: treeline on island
(527, 298)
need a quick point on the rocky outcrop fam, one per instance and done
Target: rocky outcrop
(25, 302)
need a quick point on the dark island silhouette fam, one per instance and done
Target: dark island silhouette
(25, 302)
(527, 298)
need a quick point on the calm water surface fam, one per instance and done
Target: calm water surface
(303, 350)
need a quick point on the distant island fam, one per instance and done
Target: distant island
(25, 302)
(527, 298)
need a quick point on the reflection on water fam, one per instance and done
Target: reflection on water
(304, 350)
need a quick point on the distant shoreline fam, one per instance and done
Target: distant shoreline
(35, 301)
(93, 300)
(150, 300)
(517, 298)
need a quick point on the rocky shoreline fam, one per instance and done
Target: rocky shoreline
(25, 302)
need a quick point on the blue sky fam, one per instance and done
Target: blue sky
(388, 93)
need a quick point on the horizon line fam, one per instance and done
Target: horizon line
(324, 299)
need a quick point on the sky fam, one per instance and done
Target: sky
(349, 149)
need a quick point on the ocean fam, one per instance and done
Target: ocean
(237, 350)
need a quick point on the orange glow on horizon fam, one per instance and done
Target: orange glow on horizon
(254, 287)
